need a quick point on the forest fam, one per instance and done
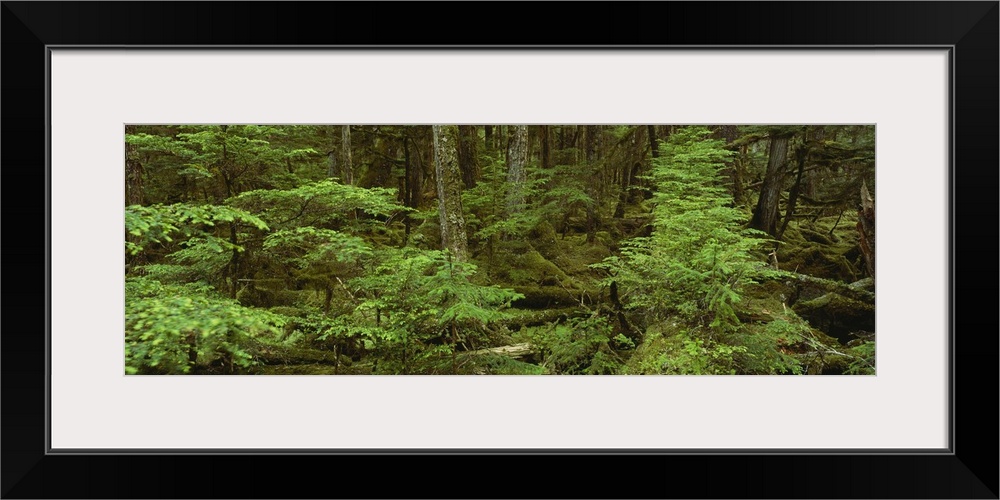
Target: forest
(499, 249)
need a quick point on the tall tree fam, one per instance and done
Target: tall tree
(449, 190)
(592, 185)
(765, 217)
(133, 171)
(866, 229)
(546, 139)
(332, 170)
(801, 154)
(468, 154)
(133, 191)
(517, 156)
(654, 149)
(346, 165)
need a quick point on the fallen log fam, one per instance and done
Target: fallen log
(513, 350)
(856, 291)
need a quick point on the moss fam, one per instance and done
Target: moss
(815, 236)
(605, 239)
(761, 302)
(837, 315)
(537, 317)
(294, 312)
(545, 239)
(812, 250)
(531, 268)
(313, 369)
(651, 355)
(544, 297)
(827, 364)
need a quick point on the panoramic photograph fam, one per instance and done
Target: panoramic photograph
(445, 249)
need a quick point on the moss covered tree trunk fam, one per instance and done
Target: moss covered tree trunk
(517, 156)
(591, 185)
(449, 190)
(765, 217)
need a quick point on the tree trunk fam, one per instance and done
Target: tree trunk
(133, 193)
(866, 229)
(592, 187)
(331, 169)
(517, 156)
(765, 217)
(546, 147)
(346, 165)
(653, 146)
(468, 155)
(449, 190)
(488, 137)
(739, 174)
(800, 157)
(407, 188)
(416, 168)
(133, 172)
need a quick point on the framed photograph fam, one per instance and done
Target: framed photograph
(895, 103)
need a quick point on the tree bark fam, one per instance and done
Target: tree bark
(449, 190)
(407, 187)
(468, 155)
(866, 229)
(546, 147)
(133, 172)
(331, 169)
(653, 147)
(793, 195)
(346, 165)
(765, 217)
(488, 137)
(133, 194)
(517, 156)
(591, 185)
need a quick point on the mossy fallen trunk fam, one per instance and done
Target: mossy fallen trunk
(513, 351)
(287, 355)
(837, 315)
(536, 317)
(810, 287)
(544, 297)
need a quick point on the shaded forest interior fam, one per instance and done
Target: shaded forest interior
(499, 249)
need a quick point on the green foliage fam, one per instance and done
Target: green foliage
(576, 346)
(769, 348)
(670, 351)
(418, 306)
(323, 203)
(863, 362)
(486, 204)
(325, 274)
(221, 161)
(165, 223)
(175, 329)
(698, 256)
(317, 255)
(503, 365)
(693, 267)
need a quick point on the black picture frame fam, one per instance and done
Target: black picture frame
(969, 471)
